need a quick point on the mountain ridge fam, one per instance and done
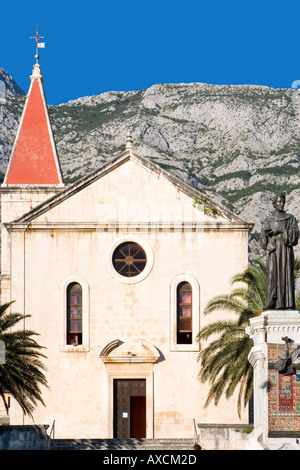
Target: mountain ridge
(237, 143)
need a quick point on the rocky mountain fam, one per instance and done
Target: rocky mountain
(10, 85)
(236, 143)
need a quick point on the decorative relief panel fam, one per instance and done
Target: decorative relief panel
(283, 394)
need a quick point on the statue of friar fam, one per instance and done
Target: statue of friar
(280, 232)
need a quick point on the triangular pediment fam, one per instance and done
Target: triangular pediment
(131, 189)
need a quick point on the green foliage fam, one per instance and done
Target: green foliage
(22, 373)
(86, 118)
(259, 186)
(288, 170)
(255, 235)
(285, 150)
(167, 166)
(175, 120)
(243, 174)
(203, 205)
(248, 429)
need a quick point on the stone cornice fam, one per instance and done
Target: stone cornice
(33, 188)
(139, 227)
(270, 327)
(84, 182)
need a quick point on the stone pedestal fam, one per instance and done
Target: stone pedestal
(276, 395)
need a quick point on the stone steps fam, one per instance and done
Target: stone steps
(122, 444)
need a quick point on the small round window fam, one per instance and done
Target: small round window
(129, 259)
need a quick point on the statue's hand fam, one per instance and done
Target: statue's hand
(273, 233)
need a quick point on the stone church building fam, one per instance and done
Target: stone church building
(115, 271)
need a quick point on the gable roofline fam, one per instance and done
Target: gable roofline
(110, 166)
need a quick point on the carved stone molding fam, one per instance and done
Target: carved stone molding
(141, 351)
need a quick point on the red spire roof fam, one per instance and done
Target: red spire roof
(34, 159)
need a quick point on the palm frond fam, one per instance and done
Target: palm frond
(224, 359)
(22, 374)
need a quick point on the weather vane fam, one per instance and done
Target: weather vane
(37, 43)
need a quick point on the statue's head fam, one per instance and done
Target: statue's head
(279, 202)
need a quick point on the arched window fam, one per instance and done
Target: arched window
(74, 314)
(184, 313)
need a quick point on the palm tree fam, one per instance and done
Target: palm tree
(21, 373)
(224, 361)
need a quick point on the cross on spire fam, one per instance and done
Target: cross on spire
(37, 43)
(34, 158)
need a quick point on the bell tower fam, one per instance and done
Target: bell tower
(34, 173)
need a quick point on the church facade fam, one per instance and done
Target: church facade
(115, 271)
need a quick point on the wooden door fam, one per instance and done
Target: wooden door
(137, 416)
(129, 408)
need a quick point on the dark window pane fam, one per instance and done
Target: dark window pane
(184, 286)
(185, 324)
(75, 326)
(184, 313)
(184, 338)
(74, 339)
(74, 314)
(75, 288)
(75, 299)
(129, 259)
(185, 297)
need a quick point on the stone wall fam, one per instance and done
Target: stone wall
(28, 437)
(223, 436)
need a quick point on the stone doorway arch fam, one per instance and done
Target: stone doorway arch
(132, 362)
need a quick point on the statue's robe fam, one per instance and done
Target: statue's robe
(280, 259)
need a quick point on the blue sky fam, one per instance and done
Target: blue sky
(98, 46)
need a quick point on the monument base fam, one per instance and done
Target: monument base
(276, 336)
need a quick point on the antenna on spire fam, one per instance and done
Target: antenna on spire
(37, 43)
